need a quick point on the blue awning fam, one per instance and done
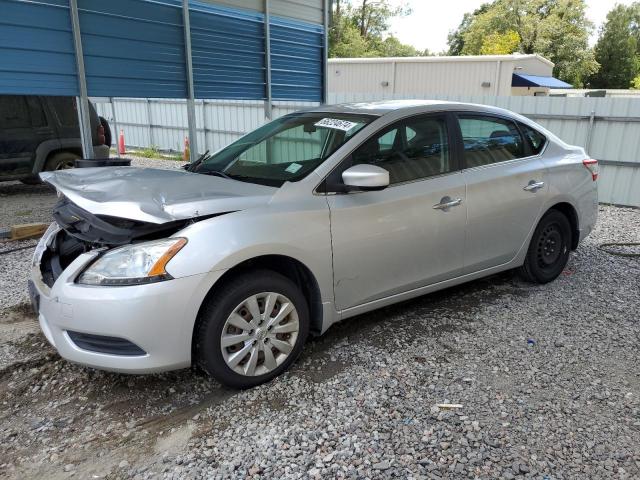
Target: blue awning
(522, 80)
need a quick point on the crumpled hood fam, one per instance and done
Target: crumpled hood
(155, 195)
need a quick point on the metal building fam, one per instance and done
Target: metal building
(497, 75)
(215, 49)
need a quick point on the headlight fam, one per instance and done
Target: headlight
(133, 264)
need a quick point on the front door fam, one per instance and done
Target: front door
(394, 240)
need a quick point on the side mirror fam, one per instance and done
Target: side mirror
(366, 177)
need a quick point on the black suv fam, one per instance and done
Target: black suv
(39, 133)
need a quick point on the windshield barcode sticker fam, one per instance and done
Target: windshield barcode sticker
(293, 168)
(336, 124)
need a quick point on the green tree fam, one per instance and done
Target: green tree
(360, 28)
(392, 47)
(345, 40)
(635, 83)
(617, 49)
(555, 29)
(455, 39)
(500, 43)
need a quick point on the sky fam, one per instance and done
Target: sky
(431, 20)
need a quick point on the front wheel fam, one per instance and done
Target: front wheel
(549, 249)
(61, 161)
(251, 329)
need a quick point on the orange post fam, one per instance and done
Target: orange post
(121, 148)
(186, 155)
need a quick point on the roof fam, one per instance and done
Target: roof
(387, 106)
(443, 59)
(378, 108)
(524, 80)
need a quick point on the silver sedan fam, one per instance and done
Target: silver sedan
(313, 218)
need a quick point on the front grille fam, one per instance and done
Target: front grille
(105, 344)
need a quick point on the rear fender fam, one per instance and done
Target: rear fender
(48, 146)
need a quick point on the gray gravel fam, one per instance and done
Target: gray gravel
(546, 378)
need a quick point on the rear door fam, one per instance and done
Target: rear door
(506, 189)
(22, 121)
(393, 240)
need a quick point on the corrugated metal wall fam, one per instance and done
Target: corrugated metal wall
(228, 52)
(135, 48)
(614, 138)
(307, 10)
(36, 48)
(296, 60)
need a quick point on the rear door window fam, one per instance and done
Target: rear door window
(489, 140)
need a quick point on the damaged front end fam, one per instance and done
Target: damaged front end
(81, 231)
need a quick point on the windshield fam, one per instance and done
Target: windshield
(285, 150)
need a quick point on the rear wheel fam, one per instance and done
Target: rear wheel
(252, 329)
(61, 161)
(549, 249)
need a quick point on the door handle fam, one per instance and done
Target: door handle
(446, 203)
(533, 186)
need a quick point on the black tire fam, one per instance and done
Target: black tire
(549, 249)
(60, 161)
(32, 180)
(218, 307)
(107, 131)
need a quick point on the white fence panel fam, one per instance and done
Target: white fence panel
(162, 123)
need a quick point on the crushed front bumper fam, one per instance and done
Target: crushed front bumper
(86, 324)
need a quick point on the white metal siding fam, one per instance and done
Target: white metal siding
(533, 66)
(360, 77)
(432, 75)
(465, 78)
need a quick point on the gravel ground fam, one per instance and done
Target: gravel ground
(545, 378)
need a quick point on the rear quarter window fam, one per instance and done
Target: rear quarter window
(534, 139)
(65, 110)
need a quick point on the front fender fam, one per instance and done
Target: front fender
(300, 231)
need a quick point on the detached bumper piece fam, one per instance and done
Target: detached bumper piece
(105, 344)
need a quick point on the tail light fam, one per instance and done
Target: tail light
(592, 166)
(101, 138)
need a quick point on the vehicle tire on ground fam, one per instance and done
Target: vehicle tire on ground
(60, 161)
(549, 249)
(107, 131)
(251, 329)
(32, 180)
